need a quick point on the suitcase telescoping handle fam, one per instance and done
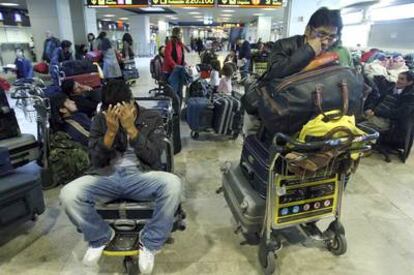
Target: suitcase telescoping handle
(345, 100)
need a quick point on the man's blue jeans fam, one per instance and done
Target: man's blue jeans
(80, 196)
(244, 70)
(177, 79)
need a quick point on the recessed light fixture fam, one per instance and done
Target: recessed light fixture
(189, 8)
(194, 12)
(228, 11)
(227, 15)
(268, 9)
(105, 19)
(257, 14)
(198, 16)
(109, 15)
(123, 18)
(152, 9)
(9, 4)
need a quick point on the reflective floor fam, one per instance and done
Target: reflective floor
(378, 215)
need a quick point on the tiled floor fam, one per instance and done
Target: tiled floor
(378, 214)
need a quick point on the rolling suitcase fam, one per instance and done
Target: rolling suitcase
(21, 197)
(77, 67)
(254, 163)
(89, 79)
(228, 115)
(199, 113)
(245, 204)
(22, 149)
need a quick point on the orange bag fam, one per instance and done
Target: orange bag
(322, 60)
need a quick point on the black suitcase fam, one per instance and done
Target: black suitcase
(176, 133)
(76, 67)
(22, 149)
(254, 163)
(21, 197)
(9, 127)
(228, 115)
(246, 205)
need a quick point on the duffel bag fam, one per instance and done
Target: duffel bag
(76, 67)
(287, 106)
(41, 68)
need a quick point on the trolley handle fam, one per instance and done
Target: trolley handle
(291, 144)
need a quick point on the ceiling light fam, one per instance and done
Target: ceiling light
(228, 10)
(393, 12)
(105, 19)
(227, 15)
(194, 12)
(9, 4)
(152, 9)
(268, 9)
(109, 15)
(198, 16)
(257, 14)
(123, 18)
(189, 8)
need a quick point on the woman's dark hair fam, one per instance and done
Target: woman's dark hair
(175, 32)
(57, 101)
(115, 91)
(105, 44)
(90, 34)
(66, 44)
(215, 64)
(409, 75)
(101, 35)
(128, 38)
(67, 86)
(160, 50)
(326, 17)
(227, 70)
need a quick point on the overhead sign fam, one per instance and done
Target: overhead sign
(183, 3)
(117, 3)
(250, 3)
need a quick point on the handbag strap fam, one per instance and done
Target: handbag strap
(317, 99)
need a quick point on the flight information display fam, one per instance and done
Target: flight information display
(117, 3)
(250, 3)
(183, 3)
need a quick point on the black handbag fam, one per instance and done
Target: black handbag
(288, 105)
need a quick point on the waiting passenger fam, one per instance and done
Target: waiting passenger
(245, 56)
(225, 85)
(86, 98)
(111, 68)
(51, 43)
(397, 104)
(91, 42)
(215, 74)
(66, 117)
(397, 65)
(127, 47)
(231, 57)
(291, 55)
(125, 148)
(63, 53)
(24, 68)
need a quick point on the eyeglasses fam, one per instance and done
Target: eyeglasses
(324, 35)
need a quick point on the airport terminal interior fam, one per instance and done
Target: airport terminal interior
(206, 137)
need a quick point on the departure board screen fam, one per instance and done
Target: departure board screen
(117, 3)
(250, 3)
(184, 3)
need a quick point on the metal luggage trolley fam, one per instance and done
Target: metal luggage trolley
(259, 68)
(303, 200)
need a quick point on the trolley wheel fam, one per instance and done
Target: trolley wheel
(267, 258)
(235, 136)
(131, 265)
(337, 245)
(195, 135)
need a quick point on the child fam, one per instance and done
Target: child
(225, 81)
(214, 75)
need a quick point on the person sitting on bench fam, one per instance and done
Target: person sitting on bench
(86, 98)
(66, 117)
(395, 104)
(125, 146)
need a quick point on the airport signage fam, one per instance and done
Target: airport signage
(250, 3)
(117, 3)
(184, 3)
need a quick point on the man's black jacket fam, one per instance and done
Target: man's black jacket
(288, 56)
(148, 145)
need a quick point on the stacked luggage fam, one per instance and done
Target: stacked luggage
(219, 112)
(21, 197)
(82, 71)
(129, 70)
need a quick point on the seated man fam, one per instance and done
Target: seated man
(66, 117)
(84, 96)
(125, 148)
(393, 105)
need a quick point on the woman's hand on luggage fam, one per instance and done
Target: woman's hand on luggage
(112, 118)
(316, 45)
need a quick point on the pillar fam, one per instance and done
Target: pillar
(162, 32)
(264, 25)
(139, 28)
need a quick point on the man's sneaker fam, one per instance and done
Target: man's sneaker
(93, 254)
(146, 260)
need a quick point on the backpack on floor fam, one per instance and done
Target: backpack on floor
(68, 159)
(156, 68)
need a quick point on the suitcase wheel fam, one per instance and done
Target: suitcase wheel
(195, 135)
(131, 265)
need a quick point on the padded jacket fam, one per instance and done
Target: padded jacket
(148, 145)
(396, 107)
(288, 56)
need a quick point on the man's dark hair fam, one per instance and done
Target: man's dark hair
(66, 44)
(175, 32)
(115, 91)
(101, 35)
(67, 86)
(160, 49)
(57, 101)
(128, 38)
(227, 70)
(91, 35)
(409, 75)
(215, 64)
(326, 17)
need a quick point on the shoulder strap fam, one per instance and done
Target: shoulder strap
(78, 127)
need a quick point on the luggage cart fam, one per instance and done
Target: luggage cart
(259, 68)
(303, 200)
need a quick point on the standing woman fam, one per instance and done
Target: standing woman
(111, 67)
(127, 47)
(91, 40)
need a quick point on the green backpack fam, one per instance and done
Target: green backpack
(68, 159)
